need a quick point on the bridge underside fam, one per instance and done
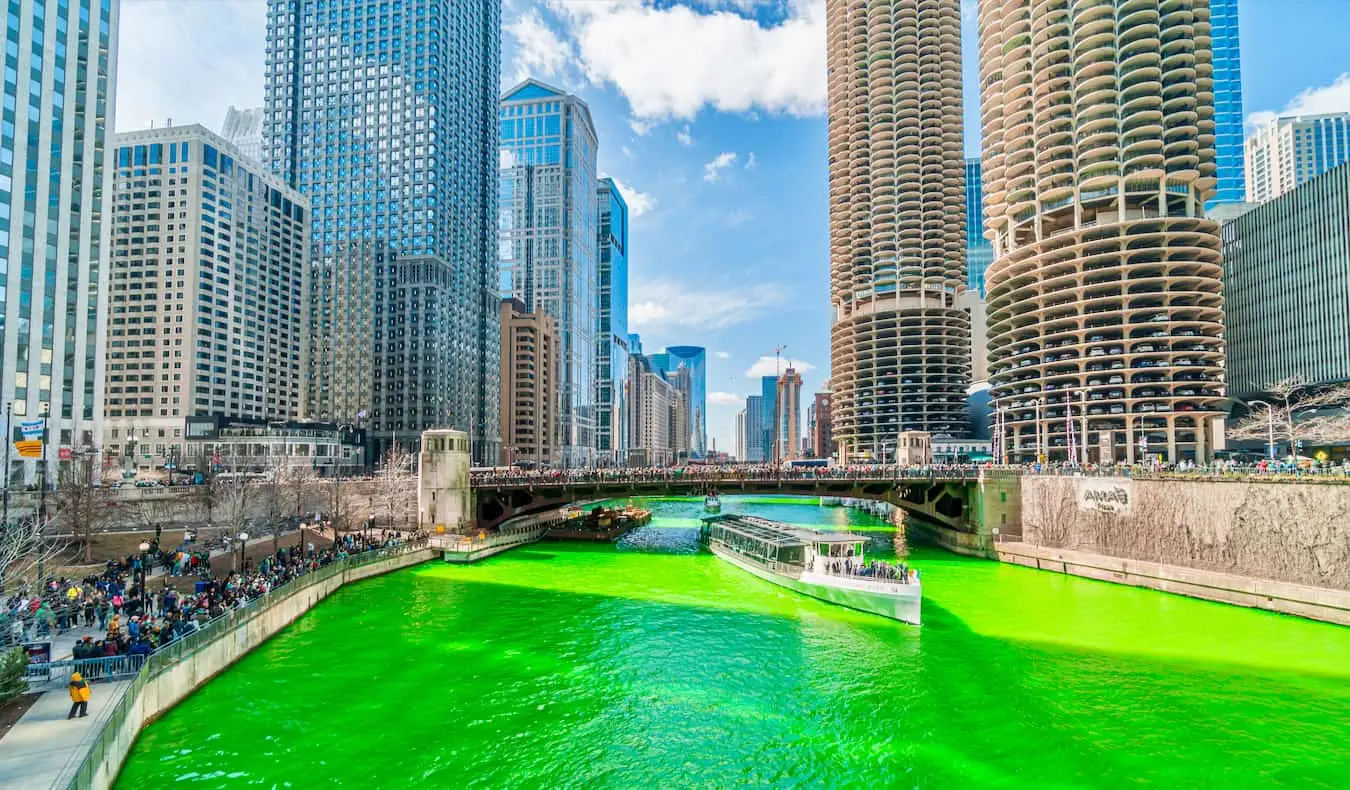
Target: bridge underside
(953, 511)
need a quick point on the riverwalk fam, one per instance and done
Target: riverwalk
(44, 749)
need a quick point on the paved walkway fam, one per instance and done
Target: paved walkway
(43, 750)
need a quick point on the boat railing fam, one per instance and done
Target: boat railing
(827, 567)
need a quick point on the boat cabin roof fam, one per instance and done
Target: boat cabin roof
(776, 534)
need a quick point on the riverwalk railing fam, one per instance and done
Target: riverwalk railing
(508, 536)
(56, 674)
(175, 652)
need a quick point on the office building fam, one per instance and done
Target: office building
(1104, 297)
(243, 129)
(822, 437)
(768, 393)
(530, 358)
(55, 198)
(979, 253)
(900, 343)
(740, 435)
(1230, 185)
(389, 126)
(788, 416)
(695, 358)
(207, 287)
(654, 411)
(682, 412)
(245, 446)
(1291, 151)
(754, 430)
(611, 334)
(548, 226)
(1286, 281)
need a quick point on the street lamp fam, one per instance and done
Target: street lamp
(1270, 426)
(243, 543)
(145, 548)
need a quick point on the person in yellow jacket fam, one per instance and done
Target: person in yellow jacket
(79, 696)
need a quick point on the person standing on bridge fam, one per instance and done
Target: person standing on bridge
(79, 696)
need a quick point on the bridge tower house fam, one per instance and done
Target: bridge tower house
(443, 498)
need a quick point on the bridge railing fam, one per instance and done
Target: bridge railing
(559, 478)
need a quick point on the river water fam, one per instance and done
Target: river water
(648, 664)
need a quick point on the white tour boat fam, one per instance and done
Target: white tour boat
(712, 503)
(825, 565)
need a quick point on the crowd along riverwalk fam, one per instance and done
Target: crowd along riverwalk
(653, 663)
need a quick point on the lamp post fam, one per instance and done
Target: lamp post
(243, 544)
(1270, 426)
(9, 439)
(145, 548)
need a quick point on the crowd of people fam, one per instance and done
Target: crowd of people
(135, 612)
(872, 569)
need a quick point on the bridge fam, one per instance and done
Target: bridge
(960, 507)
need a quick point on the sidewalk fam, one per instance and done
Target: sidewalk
(44, 749)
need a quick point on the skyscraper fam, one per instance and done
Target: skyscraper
(768, 393)
(1105, 306)
(55, 195)
(979, 253)
(611, 334)
(740, 436)
(695, 359)
(900, 343)
(754, 430)
(221, 332)
(822, 435)
(1228, 119)
(788, 416)
(385, 116)
(548, 229)
(1290, 151)
(529, 384)
(243, 129)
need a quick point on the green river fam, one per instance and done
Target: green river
(651, 665)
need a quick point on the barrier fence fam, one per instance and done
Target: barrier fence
(175, 652)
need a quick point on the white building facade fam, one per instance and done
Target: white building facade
(207, 292)
(1290, 151)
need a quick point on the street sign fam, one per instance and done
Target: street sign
(65, 454)
(29, 448)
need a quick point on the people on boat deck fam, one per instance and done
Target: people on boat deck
(873, 570)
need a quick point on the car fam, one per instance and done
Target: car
(1097, 396)
(1117, 365)
(149, 484)
(1116, 350)
(1096, 338)
(1158, 317)
(1097, 410)
(1096, 382)
(1159, 333)
(1144, 407)
(1186, 407)
(1143, 349)
(1162, 407)
(1117, 409)
(1097, 352)
(1186, 333)
(1187, 391)
(1116, 380)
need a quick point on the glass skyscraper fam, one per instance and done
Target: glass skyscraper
(384, 115)
(768, 402)
(979, 252)
(55, 196)
(611, 336)
(548, 225)
(755, 434)
(695, 358)
(1223, 25)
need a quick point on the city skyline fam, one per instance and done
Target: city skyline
(711, 234)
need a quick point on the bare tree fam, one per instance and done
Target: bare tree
(1296, 411)
(234, 501)
(77, 502)
(24, 549)
(152, 512)
(272, 501)
(1051, 512)
(396, 486)
(299, 482)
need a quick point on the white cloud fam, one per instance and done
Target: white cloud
(540, 52)
(750, 161)
(769, 366)
(684, 136)
(640, 127)
(712, 171)
(639, 203)
(1312, 101)
(722, 354)
(626, 151)
(663, 304)
(188, 61)
(674, 60)
(725, 399)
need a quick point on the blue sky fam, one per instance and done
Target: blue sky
(710, 116)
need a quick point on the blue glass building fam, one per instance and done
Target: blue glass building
(696, 359)
(56, 186)
(385, 115)
(979, 252)
(548, 224)
(611, 335)
(768, 402)
(755, 431)
(1223, 23)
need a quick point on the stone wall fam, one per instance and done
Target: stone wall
(147, 702)
(1289, 532)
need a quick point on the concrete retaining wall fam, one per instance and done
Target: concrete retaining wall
(1318, 603)
(161, 693)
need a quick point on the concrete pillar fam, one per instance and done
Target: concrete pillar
(1171, 427)
(1129, 440)
(1201, 445)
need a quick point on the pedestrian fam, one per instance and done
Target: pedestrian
(79, 696)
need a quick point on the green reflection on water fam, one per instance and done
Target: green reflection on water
(566, 665)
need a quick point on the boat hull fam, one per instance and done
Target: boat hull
(903, 602)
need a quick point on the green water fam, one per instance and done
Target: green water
(650, 665)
